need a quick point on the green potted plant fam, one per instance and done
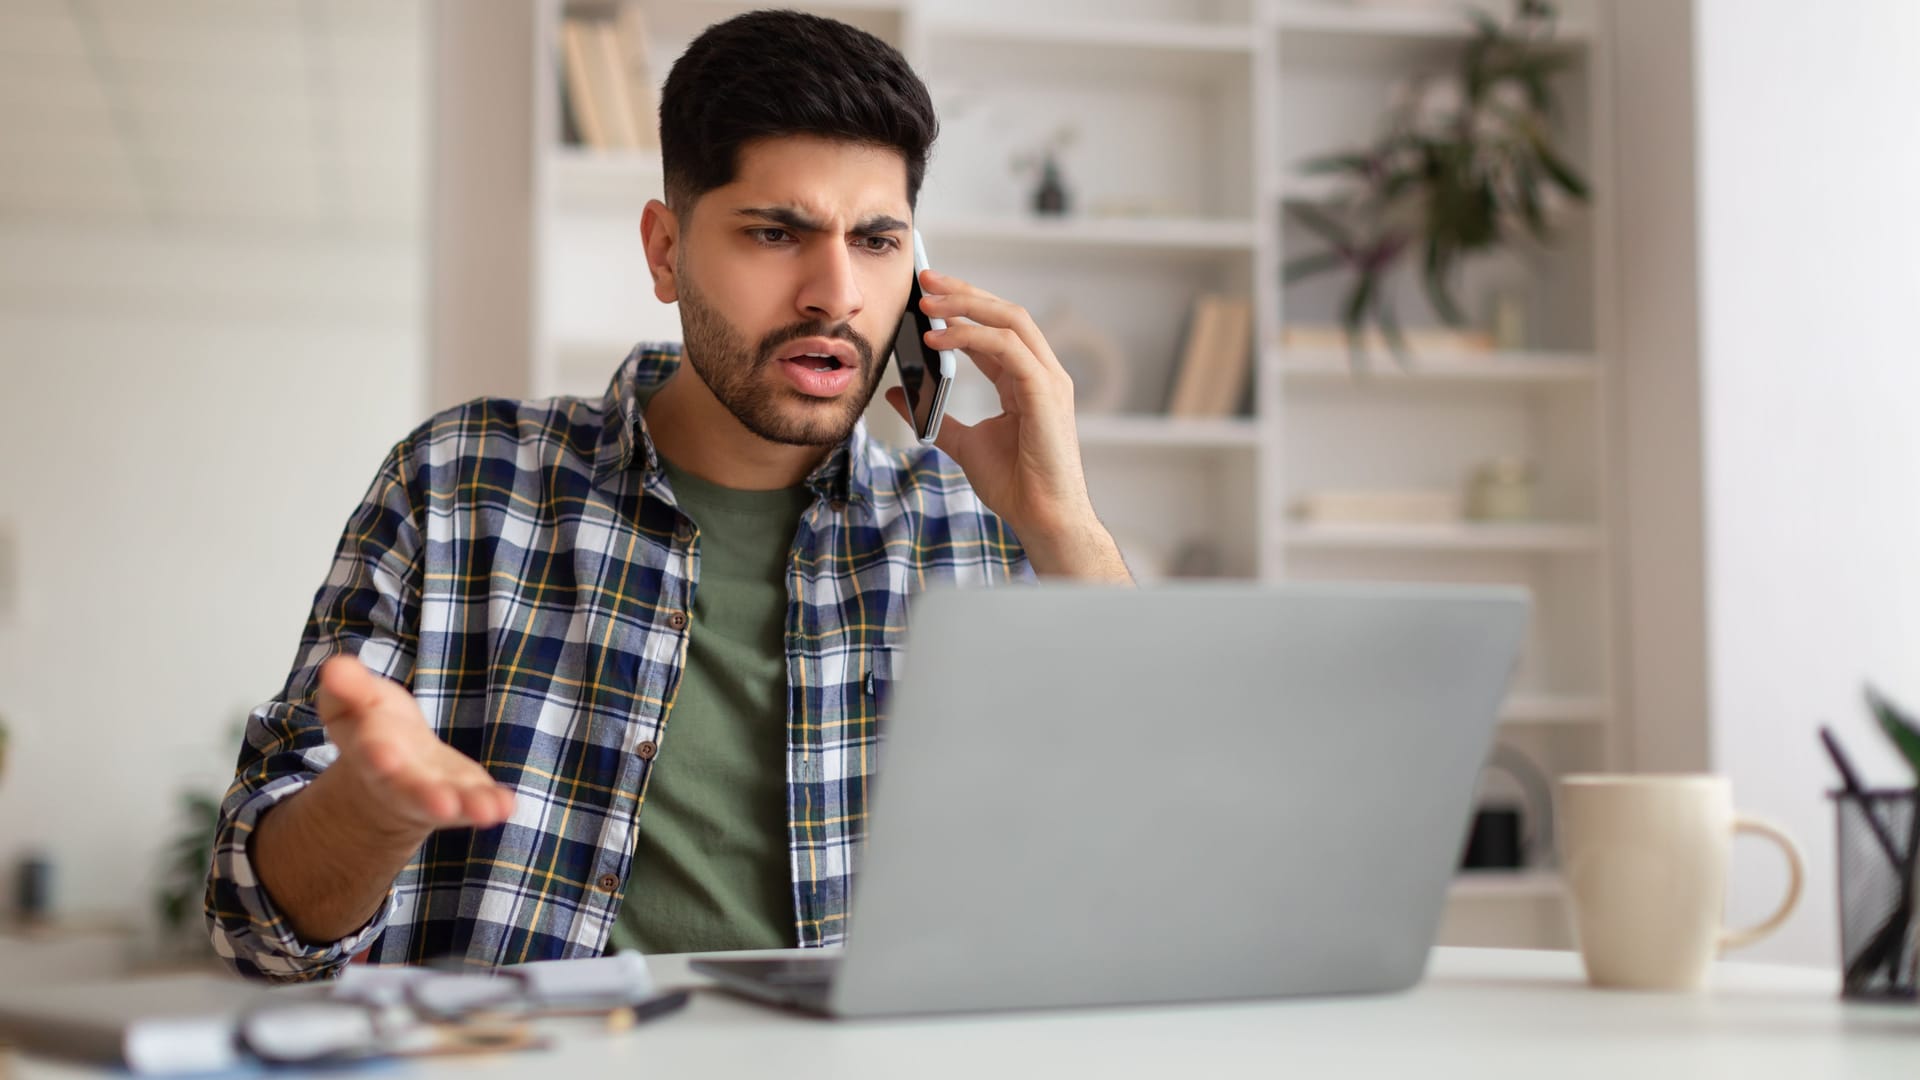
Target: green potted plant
(1467, 164)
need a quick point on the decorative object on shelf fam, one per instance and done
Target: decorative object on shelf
(33, 889)
(1211, 376)
(1497, 840)
(1050, 195)
(1467, 165)
(1198, 557)
(1091, 358)
(1501, 490)
(1338, 507)
(1500, 839)
(1507, 318)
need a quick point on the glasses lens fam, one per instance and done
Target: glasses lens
(457, 995)
(309, 1032)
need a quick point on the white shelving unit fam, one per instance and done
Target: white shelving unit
(1190, 116)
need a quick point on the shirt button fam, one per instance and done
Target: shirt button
(646, 750)
(608, 883)
(677, 620)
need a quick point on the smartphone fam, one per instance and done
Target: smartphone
(926, 372)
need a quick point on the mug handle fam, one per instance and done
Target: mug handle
(1796, 869)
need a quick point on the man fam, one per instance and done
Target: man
(547, 616)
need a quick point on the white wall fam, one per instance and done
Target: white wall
(189, 418)
(1809, 167)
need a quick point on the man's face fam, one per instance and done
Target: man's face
(791, 281)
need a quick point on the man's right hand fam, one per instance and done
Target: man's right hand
(329, 855)
(408, 781)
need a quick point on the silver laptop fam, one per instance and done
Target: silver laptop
(1094, 796)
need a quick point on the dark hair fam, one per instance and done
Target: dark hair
(772, 73)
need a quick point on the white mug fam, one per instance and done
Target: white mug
(1645, 859)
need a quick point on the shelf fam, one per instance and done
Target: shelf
(1555, 709)
(1507, 368)
(1314, 188)
(604, 180)
(1338, 35)
(1165, 431)
(1147, 235)
(1112, 50)
(1458, 537)
(1508, 885)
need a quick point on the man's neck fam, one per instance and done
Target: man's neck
(692, 429)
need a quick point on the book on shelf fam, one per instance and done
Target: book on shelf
(1419, 340)
(578, 61)
(1211, 377)
(630, 25)
(607, 81)
(610, 77)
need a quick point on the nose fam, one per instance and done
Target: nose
(830, 291)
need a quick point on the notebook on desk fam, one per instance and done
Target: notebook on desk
(1101, 796)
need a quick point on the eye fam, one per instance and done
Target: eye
(879, 245)
(769, 235)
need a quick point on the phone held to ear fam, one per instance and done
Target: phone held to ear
(925, 372)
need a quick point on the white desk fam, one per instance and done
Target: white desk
(1480, 1014)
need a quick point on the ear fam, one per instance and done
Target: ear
(660, 236)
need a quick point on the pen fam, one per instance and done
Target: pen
(640, 1012)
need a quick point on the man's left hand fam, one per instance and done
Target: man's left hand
(1024, 463)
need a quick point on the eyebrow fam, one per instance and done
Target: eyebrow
(788, 217)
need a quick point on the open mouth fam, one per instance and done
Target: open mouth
(820, 366)
(816, 361)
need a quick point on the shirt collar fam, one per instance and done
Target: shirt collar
(846, 473)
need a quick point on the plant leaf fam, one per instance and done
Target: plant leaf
(1561, 172)
(1441, 296)
(1904, 734)
(1354, 316)
(1390, 329)
(1307, 266)
(1321, 224)
(1334, 163)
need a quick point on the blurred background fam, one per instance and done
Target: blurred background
(246, 245)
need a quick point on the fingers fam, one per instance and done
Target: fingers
(952, 298)
(997, 352)
(485, 805)
(438, 802)
(440, 789)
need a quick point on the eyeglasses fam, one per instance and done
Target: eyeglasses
(444, 1010)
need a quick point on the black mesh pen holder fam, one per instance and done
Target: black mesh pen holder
(1875, 842)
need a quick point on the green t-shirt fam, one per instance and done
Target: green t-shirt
(711, 869)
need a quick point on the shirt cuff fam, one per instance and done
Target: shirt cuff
(249, 930)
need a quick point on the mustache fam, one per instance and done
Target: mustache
(844, 332)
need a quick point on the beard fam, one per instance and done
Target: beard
(741, 376)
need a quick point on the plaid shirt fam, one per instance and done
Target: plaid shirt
(522, 568)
